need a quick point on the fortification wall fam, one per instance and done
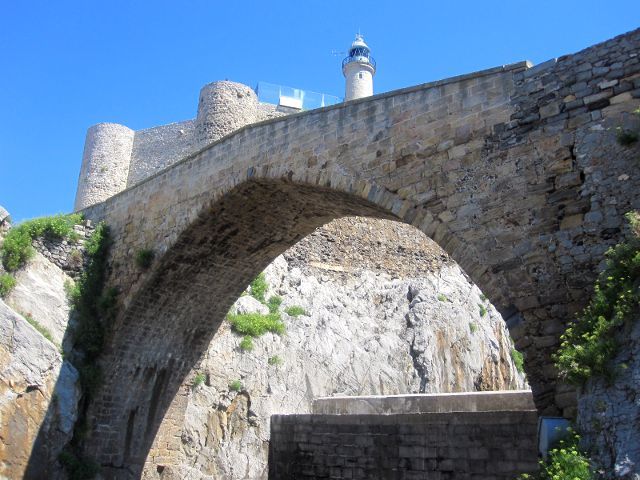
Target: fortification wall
(157, 148)
(116, 157)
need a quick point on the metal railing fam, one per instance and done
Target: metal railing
(358, 58)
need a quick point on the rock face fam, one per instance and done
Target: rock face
(609, 413)
(387, 314)
(37, 392)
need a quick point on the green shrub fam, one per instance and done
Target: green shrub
(589, 343)
(275, 360)
(483, 297)
(295, 311)
(259, 287)
(198, 380)
(235, 386)
(144, 258)
(246, 344)
(442, 297)
(274, 303)
(565, 462)
(483, 310)
(17, 249)
(518, 360)
(94, 308)
(7, 282)
(256, 324)
(473, 328)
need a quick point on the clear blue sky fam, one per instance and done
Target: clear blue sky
(65, 65)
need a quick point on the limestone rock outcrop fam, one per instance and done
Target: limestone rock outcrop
(385, 312)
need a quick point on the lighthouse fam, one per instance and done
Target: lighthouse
(358, 68)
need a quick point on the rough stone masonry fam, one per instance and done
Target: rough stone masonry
(515, 171)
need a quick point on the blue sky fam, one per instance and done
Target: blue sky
(65, 65)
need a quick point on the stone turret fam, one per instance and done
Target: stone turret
(105, 163)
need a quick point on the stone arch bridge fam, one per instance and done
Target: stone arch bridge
(514, 171)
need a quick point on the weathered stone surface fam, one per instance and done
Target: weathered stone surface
(374, 325)
(38, 400)
(40, 293)
(609, 413)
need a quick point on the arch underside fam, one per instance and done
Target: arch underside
(173, 318)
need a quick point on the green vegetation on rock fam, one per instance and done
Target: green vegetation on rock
(565, 462)
(295, 311)
(518, 360)
(17, 249)
(246, 345)
(235, 386)
(274, 303)
(198, 380)
(259, 288)
(144, 258)
(256, 324)
(7, 283)
(275, 360)
(589, 343)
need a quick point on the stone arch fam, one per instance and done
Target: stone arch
(178, 306)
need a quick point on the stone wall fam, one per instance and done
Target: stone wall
(157, 148)
(497, 444)
(520, 186)
(115, 157)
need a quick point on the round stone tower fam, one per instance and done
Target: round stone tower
(358, 69)
(105, 163)
(223, 108)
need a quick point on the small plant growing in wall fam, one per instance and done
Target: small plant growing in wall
(483, 310)
(144, 258)
(473, 327)
(235, 386)
(442, 297)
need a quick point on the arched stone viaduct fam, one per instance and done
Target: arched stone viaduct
(514, 171)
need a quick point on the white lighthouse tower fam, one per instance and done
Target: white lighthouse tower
(358, 69)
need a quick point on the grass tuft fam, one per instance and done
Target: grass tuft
(295, 311)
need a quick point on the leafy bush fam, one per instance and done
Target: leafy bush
(198, 380)
(442, 297)
(7, 282)
(275, 360)
(144, 258)
(259, 287)
(17, 249)
(518, 360)
(589, 343)
(483, 310)
(246, 344)
(274, 303)
(473, 328)
(483, 297)
(256, 324)
(93, 307)
(235, 386)
(295, 311)
(565, 462)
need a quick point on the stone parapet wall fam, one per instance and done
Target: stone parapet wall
(475, 445)
(515, 400)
